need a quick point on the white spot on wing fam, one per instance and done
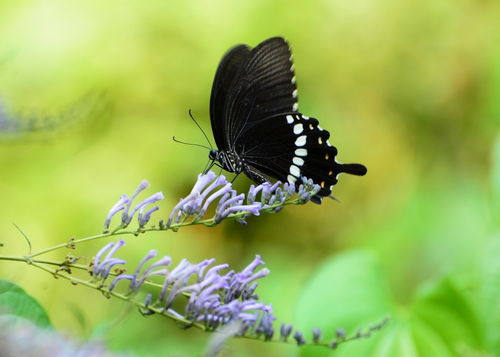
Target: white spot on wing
(291, 179)
(301, 140)
(305, 118)
(294, 93)
(298, 161)
(320, 141)
(293, 80)
(289, 119)
(298, 128)
(328, 143)
(294, 170)
(295, 106)
(320, 128)
(292, 67)
(301, 152)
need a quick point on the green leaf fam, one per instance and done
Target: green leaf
(348, 292)
(490, 295)
(14, 301)
(448, 316)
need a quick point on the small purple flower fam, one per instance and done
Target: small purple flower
(125, 216)
(124, 205)
(192, 204)
(285, 331)
(317, 334)
(333, 345)
(101, 269)
(268, 190)
(299, 338)
(158, 196)
(307, 190)
(340, 332)
(265, 326)
(144, 218)
(120, 205)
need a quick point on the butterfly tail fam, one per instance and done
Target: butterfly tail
(353, 169)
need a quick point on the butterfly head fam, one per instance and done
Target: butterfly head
(229, 161)
(213, 155)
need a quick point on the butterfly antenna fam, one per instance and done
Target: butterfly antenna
(182, 142)
(198, 125)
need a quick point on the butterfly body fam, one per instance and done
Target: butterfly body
(256, 124)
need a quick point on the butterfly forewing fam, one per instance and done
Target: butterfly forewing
(226, 74)
(264, 86)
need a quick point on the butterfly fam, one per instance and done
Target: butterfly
(257, 126)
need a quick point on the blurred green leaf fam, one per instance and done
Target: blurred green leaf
(449, 314)
(490, 295)
(348, 292)
(495, 180)
(15, 301)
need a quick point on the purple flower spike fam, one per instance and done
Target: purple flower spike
(340, 332)
(266, 326)
(144, 218)
(307, 189)
(118, 279)
(121, 204)
(97, 258)
(203, 181)
(214, 299)
(150, 200)
(225, 189)
(253, 209)
(107, 265)
(268, 190)
(134, 285)
(125, 216)
(285, 331)
(235, 200)
(299, 337)
(102, 268)
(191, 204)
(252, 193)
(317, 334)
(254, 264)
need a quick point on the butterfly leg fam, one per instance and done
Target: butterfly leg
(235, 176)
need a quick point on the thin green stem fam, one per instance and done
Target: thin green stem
(209, 222)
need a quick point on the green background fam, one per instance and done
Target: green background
(410, 89)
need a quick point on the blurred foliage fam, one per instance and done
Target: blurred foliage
(14, 302)
(410, 89)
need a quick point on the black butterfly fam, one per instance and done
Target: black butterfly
(257, 126)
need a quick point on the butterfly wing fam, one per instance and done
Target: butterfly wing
(225, 76)
(290, 146)
(264, 86)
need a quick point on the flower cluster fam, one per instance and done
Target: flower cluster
(215, 298)
(124, 205)
(211, 189)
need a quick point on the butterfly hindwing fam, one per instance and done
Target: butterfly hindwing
(296, 147)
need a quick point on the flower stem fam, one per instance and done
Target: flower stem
(209, 222)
